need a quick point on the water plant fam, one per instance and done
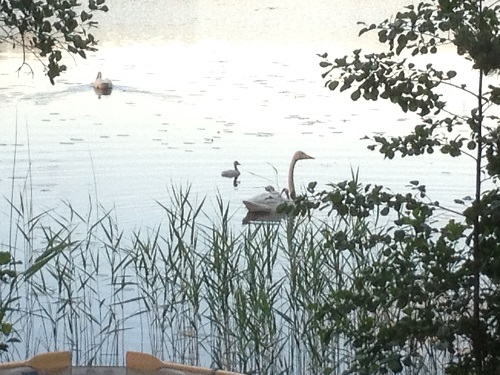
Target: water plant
(198, 289)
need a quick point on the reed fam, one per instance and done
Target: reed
(198, 288)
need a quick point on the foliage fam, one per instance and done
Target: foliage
(48, 28)
(7, 275)
(428, 281)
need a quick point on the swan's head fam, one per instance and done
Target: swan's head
(236, 163)
(299, 155)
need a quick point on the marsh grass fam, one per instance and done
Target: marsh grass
(198, 288)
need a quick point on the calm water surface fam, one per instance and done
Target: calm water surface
(197, 85)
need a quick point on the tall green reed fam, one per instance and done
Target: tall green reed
(198, 288)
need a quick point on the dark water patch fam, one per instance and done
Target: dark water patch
(123, 135)
(66, 143)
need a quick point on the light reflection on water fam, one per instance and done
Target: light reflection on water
(186, 118)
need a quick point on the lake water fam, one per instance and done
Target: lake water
(197, 85)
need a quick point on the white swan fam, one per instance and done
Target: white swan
(232, 173)
(102, 86)
(268, 202)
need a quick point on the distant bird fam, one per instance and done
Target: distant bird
(268, 202)
(102, 86)
(232, 173)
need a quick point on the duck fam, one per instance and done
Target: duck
(268, 202)
(232, 173)
(102, 86)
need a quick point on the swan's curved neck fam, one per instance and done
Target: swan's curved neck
(291, 185)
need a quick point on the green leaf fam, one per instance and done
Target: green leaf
(395, 365)
(85, 16)
(5, 257)
(355, 95)
(451, 74)
(333, 85)
(6, 328)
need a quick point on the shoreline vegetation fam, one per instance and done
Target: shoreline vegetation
(194, 291)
